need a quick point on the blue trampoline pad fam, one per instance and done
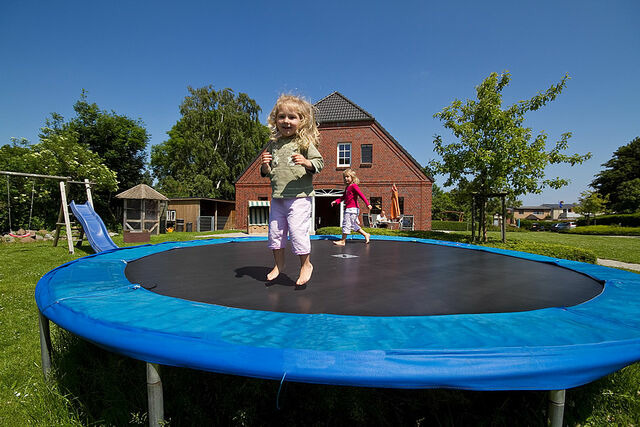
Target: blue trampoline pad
(357, 322)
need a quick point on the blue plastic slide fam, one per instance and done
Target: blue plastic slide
(93, 226)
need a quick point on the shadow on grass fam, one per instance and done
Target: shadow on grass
(109, 389)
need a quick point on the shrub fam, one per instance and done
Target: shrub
(605, 230)
(625, 220)
(547, 249)
(450, 225)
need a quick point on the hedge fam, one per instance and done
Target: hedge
(465, 226)
(604, 230)
(548, 249)
(624, 220)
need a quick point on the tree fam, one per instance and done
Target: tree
(442, 202)
(495, 151)
(56, 154)
(590, 203)
(217, 137)
(120, 141)
(619, 181)
(628, 196)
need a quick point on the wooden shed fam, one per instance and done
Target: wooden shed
(143, 209)
(200, 214)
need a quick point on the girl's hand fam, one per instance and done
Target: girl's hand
(333, 203)
(369, 206)
(299, 159)
(266, 157)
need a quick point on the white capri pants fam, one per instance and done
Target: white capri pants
(290, 216)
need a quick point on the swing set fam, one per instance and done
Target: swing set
(64, 182)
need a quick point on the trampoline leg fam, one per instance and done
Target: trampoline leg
(154, 395)
(556, 407)
(45, 344)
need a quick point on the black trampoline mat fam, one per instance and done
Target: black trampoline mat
(383, 278)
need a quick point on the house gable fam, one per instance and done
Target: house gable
(341, 121)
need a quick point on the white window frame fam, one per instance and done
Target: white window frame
(343, 157)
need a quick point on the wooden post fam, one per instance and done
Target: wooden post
(124, 216)
(482, 226)
(142, 215)
(473, 218)
(87, 187)
(59, 223)
(215, 218)
(504, 219)
(65, 211)
(154, 395)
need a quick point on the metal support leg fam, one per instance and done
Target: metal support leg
(556, 407)
(45, 344)
(154, 395)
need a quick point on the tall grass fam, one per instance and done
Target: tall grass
(91, 386)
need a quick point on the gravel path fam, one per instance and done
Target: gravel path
(618, 264)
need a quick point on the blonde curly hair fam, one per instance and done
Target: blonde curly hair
(350, 172)
(307, 129)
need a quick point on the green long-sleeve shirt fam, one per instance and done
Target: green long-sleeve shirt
(289, 180)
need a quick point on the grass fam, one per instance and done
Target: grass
(91, 386)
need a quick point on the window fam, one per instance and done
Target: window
(376, 204)
(344, 154)
(401, 205)
(366, 153)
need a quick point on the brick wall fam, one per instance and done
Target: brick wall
(390, 165)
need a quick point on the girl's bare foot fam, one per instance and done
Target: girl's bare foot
(366, 237)
(339, 242)
(273, 273)
(305, 274)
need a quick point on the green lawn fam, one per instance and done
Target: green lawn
(91, 386)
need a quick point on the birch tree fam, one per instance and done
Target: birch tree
(217, 137)
(495, 152)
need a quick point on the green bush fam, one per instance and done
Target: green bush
(624, 220)
(605, 230)
(548, 249)
(527, 223)
(450, 225)
(465, 226)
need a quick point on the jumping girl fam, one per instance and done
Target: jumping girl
(290, 160)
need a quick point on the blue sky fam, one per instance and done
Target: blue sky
(400, 61)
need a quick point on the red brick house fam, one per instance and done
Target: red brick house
(349, 137)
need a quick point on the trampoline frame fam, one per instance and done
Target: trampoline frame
(613, 279)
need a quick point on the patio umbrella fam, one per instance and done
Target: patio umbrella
(395, 205)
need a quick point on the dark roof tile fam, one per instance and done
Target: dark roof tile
(338, 108)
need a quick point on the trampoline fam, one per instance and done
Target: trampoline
(399, 312)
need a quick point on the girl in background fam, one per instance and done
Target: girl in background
(351, 211)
